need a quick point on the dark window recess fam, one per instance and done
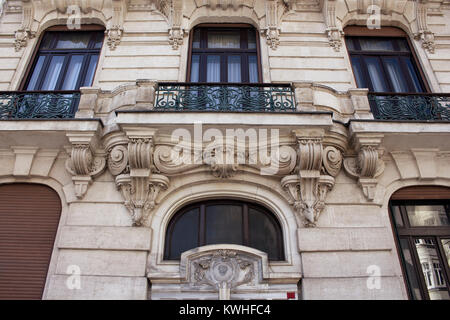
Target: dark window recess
(423, 232)
(65, 61)
(224, 222)
(224, 55)
(384, 64)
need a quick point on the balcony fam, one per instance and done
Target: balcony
(224, 97)
(16, 105)
(419, 106)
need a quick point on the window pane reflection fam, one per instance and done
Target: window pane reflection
(431, 268)
(224, 224)
(427, 215)
(446, 246)
(410, 270)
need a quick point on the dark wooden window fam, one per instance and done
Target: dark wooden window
(421, 220)
(65, 61)
(224, 222)
(224, 54)
(384, 64)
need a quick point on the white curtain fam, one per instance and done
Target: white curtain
(73, 73)
(195, 68)
(32, 85)
(234, 69)
(91, 71)
(213, 69)
(374, 68)
(395, 74)
(253, 69)
(53, 73)
(229, 40)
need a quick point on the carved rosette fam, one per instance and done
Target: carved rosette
(317, 167)
(367, 166)
(84, 163)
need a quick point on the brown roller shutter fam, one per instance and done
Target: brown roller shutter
(422, 193)
(29, 217)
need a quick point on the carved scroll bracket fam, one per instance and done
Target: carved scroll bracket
(114, 31)
(317, 167)
(424, 34)
(130, 159)
(367, 166)
(24, 33)
(335, 33)
(86, 162)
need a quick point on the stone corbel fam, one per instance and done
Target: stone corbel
(368, 165)
(176, 32)
(316, 171)
(86, 161)
(25, 33)
(130, 160)
(424, 34)
(334, 33)
(115, 31)
(272, 31)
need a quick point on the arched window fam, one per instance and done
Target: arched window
(225, 54)
(421, 220)
(224, 222)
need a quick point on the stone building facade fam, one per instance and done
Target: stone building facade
(323, 166)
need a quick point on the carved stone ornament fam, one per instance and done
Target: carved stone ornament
(367, 166)
(176, 36)
(424, 34)
(114, 36)
(130, 159)
(314, 178)
(223, 268)
(84, 163)
(24, 33)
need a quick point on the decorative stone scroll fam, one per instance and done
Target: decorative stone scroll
(314, 178)
(223, 268)
(368, 165)
(24, 33)
(130, 159)
(114, 31)
(335, 34)
(86, 161)
(424, 34)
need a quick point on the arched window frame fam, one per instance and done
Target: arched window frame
(408, 236)
(223, 26)
(245, 225)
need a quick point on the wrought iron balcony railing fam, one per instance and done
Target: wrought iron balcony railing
(405, 106)
(224, 97)
(38, 104)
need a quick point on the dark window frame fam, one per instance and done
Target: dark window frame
(352, 32)
(426, 195)
(51, 52)
(201, 239)
(224, 53)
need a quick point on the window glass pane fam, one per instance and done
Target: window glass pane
(263, 233)
(73, 73)
(91, 71)
(395, 74)
(73, 40)
(432, 269)
(234, 69)
(196, 39)
(251, 39)
(224, 224)
(357, 69)
(397, 216)
(53, 72)
(350, 44)
(413, 75)
(446, 246)
(253, 68)
(195, 68)
(224, 39)
(32, 85)
(213, 69)
(410, 271)
(403, 45)
(373, 44)
(99, 40)
(427, 215)
(184, 235)
(47, 40)
(376, 75)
